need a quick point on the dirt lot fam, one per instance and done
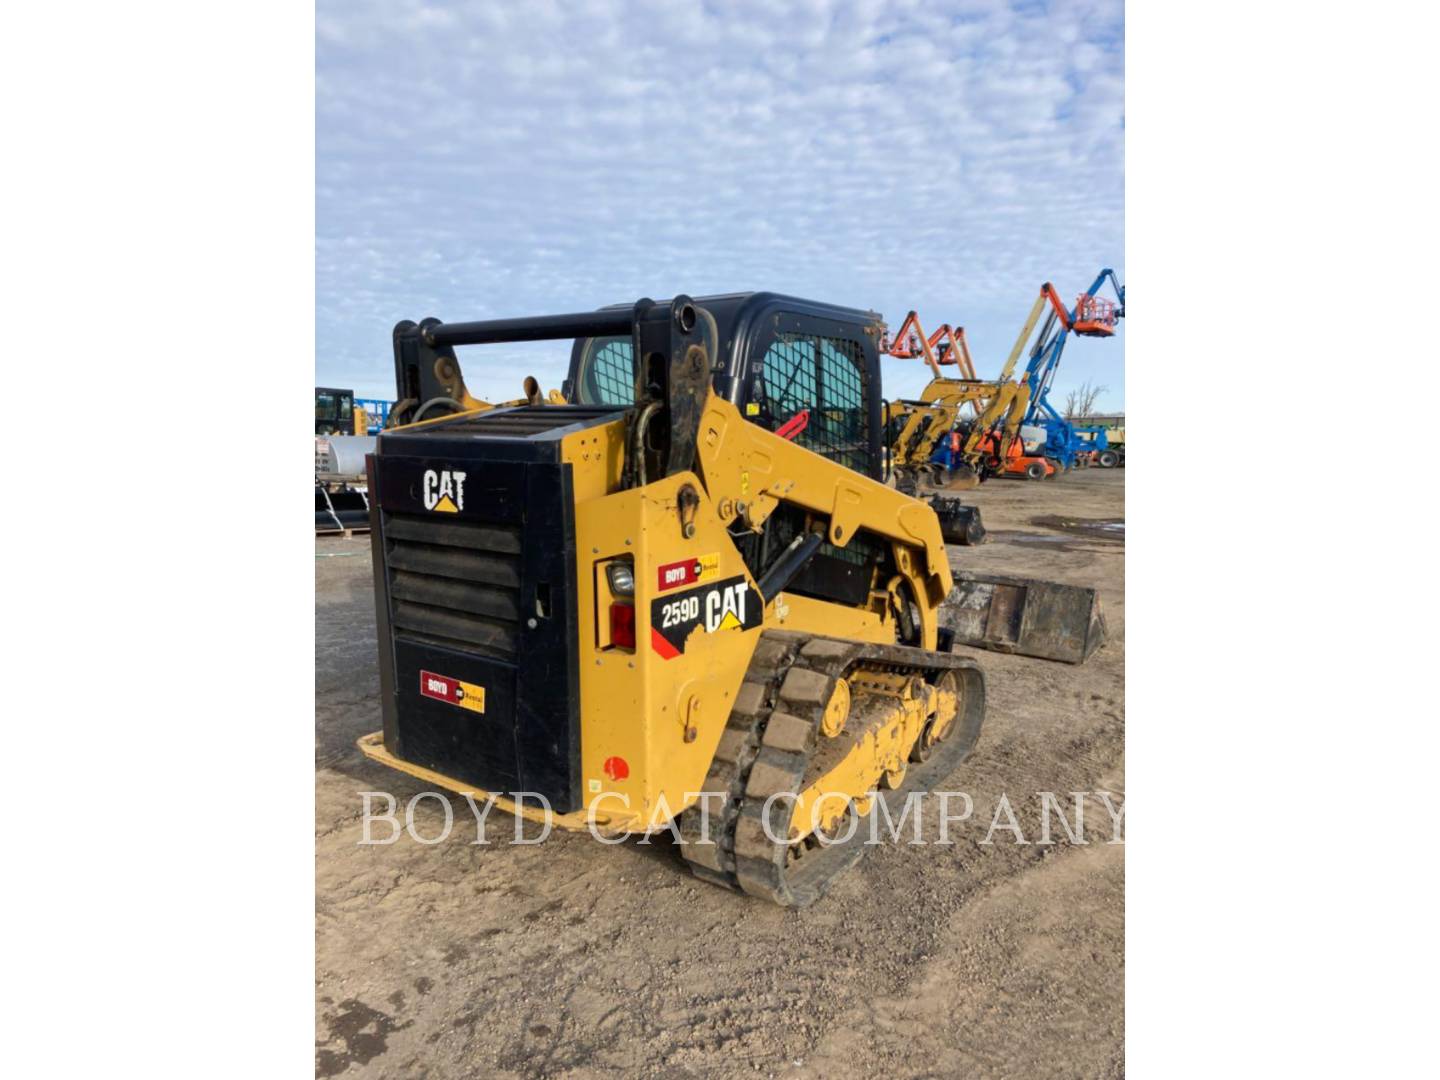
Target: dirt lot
(569, 959)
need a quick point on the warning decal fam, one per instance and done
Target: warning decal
(443, 688)
(732, 604)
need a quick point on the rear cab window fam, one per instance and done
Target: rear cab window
(606, 372)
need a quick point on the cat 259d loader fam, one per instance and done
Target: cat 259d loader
(650, 608)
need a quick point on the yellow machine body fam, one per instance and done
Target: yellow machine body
(696, 677)
(664, 717)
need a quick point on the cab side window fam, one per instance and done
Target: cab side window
(826, 376)
(842, 401)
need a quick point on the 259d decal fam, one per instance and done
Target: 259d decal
(732, 604)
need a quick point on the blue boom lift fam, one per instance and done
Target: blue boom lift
(1092, 316)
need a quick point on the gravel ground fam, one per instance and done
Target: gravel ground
(569, 959)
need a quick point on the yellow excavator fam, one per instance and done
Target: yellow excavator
(684, 598)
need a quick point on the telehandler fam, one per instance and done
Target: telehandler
(648, 608)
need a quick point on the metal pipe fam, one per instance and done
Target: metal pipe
(535, 328)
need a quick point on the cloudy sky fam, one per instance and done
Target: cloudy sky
(480, 160)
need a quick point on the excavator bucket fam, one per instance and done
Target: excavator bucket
(1024, 616)
(959, 524)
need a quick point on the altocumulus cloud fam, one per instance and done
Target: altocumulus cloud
(490, 159)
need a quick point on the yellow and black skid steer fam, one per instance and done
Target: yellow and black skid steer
(683, 598)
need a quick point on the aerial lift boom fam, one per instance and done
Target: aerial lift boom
(1092, 316)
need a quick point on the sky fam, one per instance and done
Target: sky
(493, 160)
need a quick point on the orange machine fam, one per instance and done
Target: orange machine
(1017, 462)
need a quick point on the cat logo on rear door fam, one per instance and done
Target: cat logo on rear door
(732, 604)
(444, 491)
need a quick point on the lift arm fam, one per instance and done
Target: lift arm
(1101, 278)
(1026, 330)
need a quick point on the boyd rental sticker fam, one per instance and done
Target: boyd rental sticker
(689, 571)
(732, 604)
(443, 688)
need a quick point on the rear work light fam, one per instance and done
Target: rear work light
(622, 577)
(622, 625)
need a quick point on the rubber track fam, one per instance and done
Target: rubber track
(767, 745)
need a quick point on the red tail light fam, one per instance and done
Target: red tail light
(622, 625)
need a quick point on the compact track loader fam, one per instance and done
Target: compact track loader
(686, 596)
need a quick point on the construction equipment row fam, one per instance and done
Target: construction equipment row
(933, 442)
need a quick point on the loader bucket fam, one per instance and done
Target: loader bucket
(346, 510)
(959, 524)
(1024, 616)
(325, 519)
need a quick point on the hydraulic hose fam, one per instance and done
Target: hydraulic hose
(423, 409)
